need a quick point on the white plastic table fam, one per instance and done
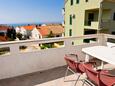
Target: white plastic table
(104, 53)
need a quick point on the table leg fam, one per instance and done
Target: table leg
(102, 64)
(87, 58)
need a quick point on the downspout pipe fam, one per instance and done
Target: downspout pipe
(100, 16)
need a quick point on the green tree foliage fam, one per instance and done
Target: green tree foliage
(19, 35)
(11, 34)
(50, 34)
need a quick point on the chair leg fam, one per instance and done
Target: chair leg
(77, 79)
(66, 72)
(83, 83)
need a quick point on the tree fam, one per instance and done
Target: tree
(19, 35)
(50, 34)
(11, 34)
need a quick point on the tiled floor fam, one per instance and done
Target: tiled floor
(53, 77)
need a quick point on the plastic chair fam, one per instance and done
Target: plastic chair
(75, 67)
(72, 66)
(92, 76)
(107, 80)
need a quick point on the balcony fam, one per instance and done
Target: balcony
(42, 67)
(107, 24)
(91, 19)
(94, 25)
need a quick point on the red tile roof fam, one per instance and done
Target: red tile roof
(56, 29)
(3, 38)
(45, 30)
(29, 27)
(4, 28)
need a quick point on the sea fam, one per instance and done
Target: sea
(23, 24)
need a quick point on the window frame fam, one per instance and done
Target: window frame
(77, 1)
(70, 20)
(114, 16)
(71, 2)
(70, 32)
(86, 0)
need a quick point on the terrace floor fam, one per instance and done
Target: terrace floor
(52, 77)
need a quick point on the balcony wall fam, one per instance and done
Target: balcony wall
(17, 63)
(94, 25)
(105, 24)
(108, 24)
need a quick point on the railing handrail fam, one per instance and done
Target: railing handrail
(52, 39)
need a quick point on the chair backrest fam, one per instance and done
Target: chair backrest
(107, 80)
(70, 62)
(73, 56)
(82, 68)
(92, 75)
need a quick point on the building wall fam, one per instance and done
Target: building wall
(79, 10)
(108, 15)
(35, 34)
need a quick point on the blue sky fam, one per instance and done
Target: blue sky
(30, 11)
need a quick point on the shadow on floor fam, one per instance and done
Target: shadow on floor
(35, 78)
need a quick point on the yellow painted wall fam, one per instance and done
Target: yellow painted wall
(79, 10)
(109, 10)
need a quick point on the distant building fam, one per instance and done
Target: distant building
(28, 32)
(3, 32)
(51, 30)
(38, 32)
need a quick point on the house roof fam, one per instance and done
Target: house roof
(29, 27)
(4, 28)
(55, 29)
(3, 38)
(43, 30)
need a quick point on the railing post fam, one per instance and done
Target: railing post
(14, 49)
(102, 39)
(67, 43)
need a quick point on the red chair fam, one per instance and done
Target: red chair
(107, 80)
(75, 67)
(92, 76)
(72, 66)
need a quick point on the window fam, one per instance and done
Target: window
(86, 0)
(114, 16)
(74, 16)
(113, 33)
(2, 34)
(70, 19)
(70, 32)
(87, 32)
(72, 43)
(71, 2)
(77, 1)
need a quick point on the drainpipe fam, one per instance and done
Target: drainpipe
(100, 17)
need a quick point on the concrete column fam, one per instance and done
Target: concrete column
(100, 17)
(102, 39)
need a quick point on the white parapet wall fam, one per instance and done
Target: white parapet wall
(17, 63)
